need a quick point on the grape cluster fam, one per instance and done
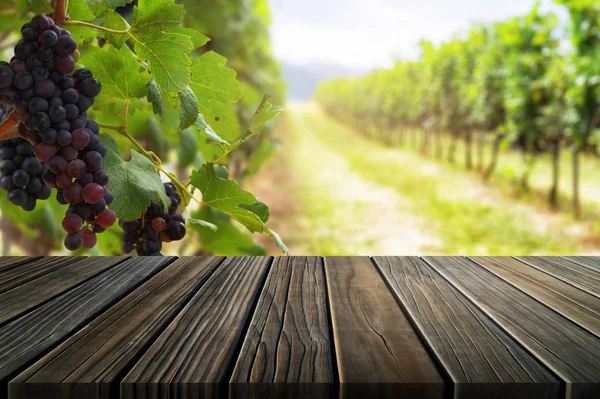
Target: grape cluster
(21, 174)
(154, 227)
(52, 102)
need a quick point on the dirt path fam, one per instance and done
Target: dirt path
(333, 192)
(355, 217)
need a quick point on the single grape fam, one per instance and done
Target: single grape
(76, 168)
(48, 136)
(21, 178)
(32, 166)
(34, 185)
(90, 87)
(159, 224)
(73, 193)
(63, 180)
(63, 138)
(65, 45)
(57, 113)
(73, 241)
(93, 161)
(17, 197)
(72, 223)
(106, 218)
(89, 239)
(40, 73)
(44, 88)
(23, 80)
(69, 152)
(7, 76)
(93, 193)
(70, 96)
(64, 64)
(49, 38)
(80, 138)
(29, 35)
(72, 111)
(58, 164)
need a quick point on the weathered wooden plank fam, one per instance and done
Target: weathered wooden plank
(573, 303)
(28, 338)
(568, 350)
(378, 352)
(8, 262)
(92, 363)
(193, 356)
(25, 297)
(287, 350)
(482, 360)
(15, 276)
(592, 262)
(581, 277)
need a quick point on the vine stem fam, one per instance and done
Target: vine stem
(60, 12)
(97, 27)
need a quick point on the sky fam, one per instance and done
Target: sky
(366, 34)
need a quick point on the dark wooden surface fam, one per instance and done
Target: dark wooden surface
(300, 327)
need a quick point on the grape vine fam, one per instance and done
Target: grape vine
(84, 63)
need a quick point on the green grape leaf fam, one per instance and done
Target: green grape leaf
(113, 20)
(228, 239)
(156, 16)
(117, 3)
(264, 114)
(206, 130)
(79, 10)
(166, 54)
(186, 150)
(216, 88)
(134, 184)
(158, 40)
(36, 6)
(197, 37)
(189, 108)
(228, 197)
(155, 98)
(211, 226)
(119, 72)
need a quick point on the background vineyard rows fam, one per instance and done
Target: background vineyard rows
(188, 122)
(517, 83)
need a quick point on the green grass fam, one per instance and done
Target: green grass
(467, 216)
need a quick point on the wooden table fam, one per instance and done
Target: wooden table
(298, 327)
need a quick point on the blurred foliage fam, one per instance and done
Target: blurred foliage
(510, 79)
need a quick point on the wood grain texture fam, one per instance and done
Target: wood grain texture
(481, 359)
(8, 262)
(193, 356)
(573, 303)
(287, 350)
(592, 262)
(92, 363)
(378, 352)
(581, 277)
(29, 337)
(568, 350)
(25, 297)
(23, 273)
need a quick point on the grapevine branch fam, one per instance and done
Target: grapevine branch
(60, 12)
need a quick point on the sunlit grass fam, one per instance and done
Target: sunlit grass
(468, 217)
